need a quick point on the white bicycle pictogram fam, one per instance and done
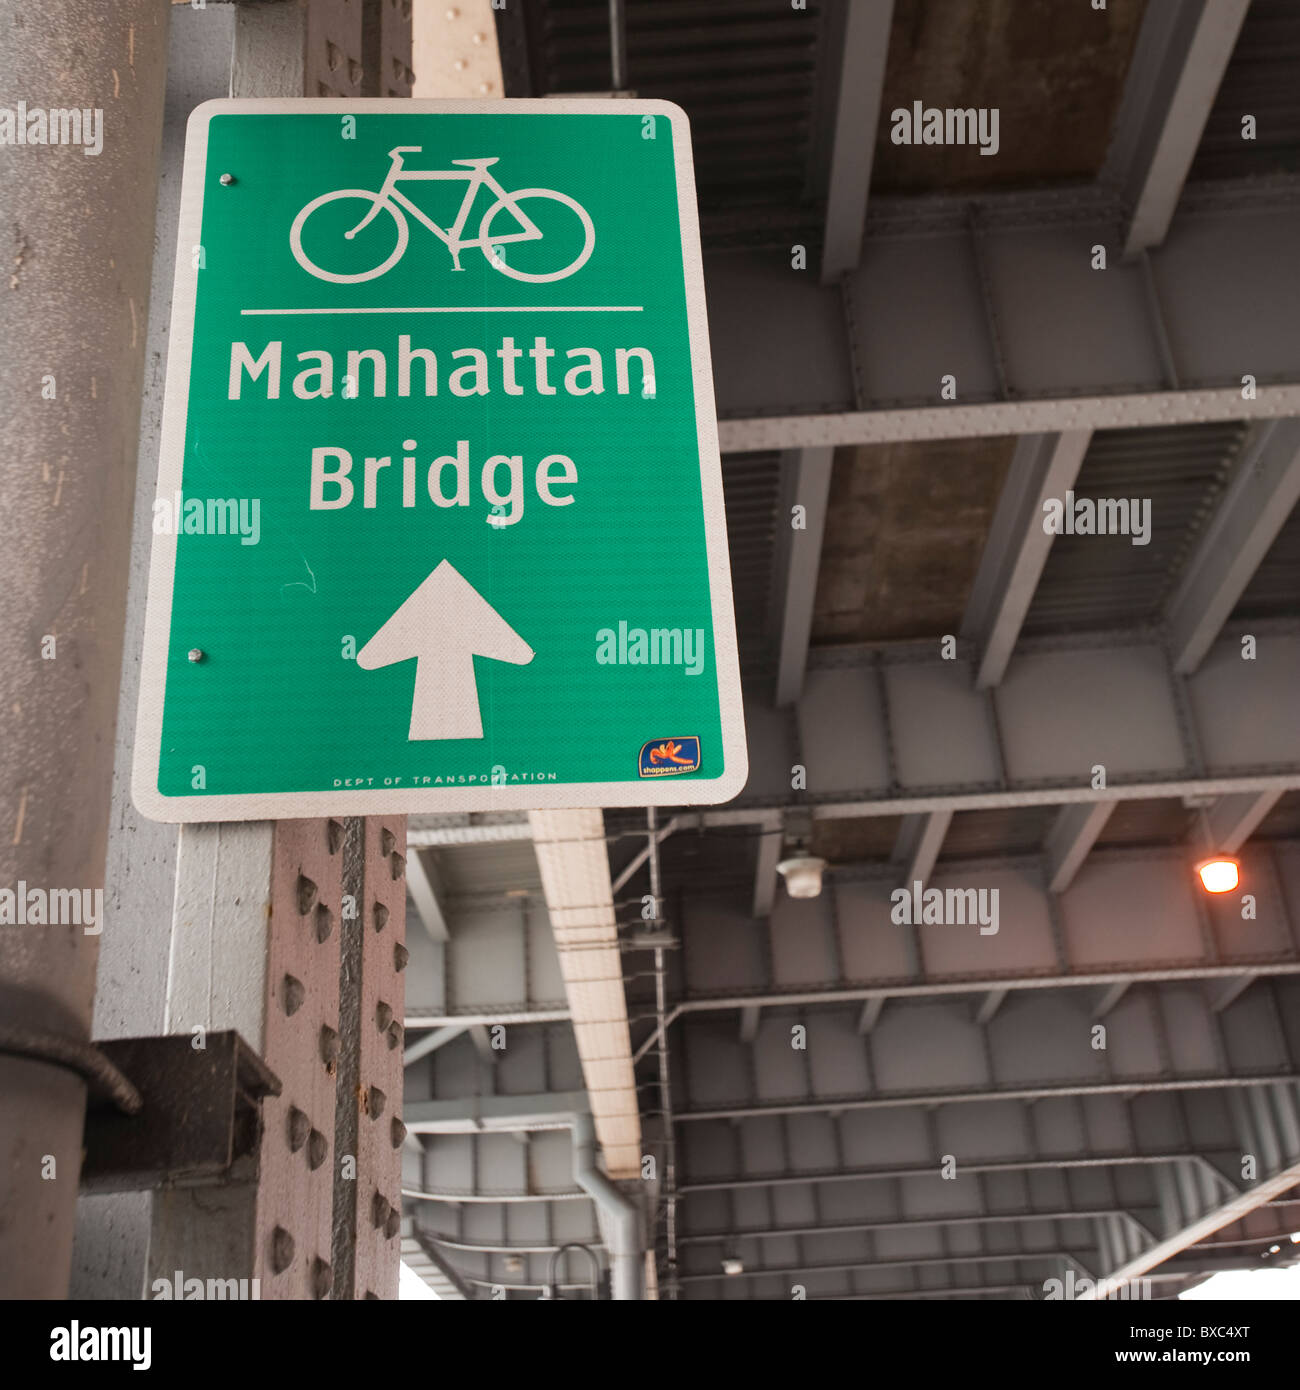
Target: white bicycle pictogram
(390, 199)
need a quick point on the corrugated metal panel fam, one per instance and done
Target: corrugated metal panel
(1054, 71)
(1107, 581)
(744, 71)
(905, 528)
(1160, 821)
(1260, 81)
(1274, 592)
(1283, 821)
(724, 857)
(1003, 830)
(855, 839)
(495, 868)
(751, 484)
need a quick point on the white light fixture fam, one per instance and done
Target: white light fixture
(803, 875)
(732, 1267)
(1221, 874)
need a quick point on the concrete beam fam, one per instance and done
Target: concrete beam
(1043, 466)
(857, 113)
(1256, 504)
(1181, 55)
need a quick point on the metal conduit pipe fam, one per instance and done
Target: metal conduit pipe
(624, 1219)
(665, 1090)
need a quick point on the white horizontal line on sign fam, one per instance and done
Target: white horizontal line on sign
(474, 309)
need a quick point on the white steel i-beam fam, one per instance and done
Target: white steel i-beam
(920, 838)
(897, 729)
(769, 855)
(1263, 491)
(1181, 55)
(1043, 466)
(1233, 819)
(432, 1041)
(422, 884)
(800, 364)
(857, 113)
(808, 487)
(1072, 836)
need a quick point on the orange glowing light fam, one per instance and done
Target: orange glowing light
(1219, 875)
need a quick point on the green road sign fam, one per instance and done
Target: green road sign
(439, 523)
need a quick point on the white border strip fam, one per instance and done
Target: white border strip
(273, 805)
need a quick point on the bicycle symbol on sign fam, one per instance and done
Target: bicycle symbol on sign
(390, 199)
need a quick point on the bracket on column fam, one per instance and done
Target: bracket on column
(200, 1122)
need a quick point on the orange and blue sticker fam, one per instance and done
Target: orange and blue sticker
(669, 757)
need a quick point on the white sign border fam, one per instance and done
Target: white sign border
(664, 791)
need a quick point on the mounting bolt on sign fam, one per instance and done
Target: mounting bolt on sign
(440, 522)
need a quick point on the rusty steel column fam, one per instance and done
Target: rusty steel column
(291, 931)
(368, 1200)
(76, 226)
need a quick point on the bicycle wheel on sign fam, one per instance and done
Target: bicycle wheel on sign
(331, 233)
(561, 235)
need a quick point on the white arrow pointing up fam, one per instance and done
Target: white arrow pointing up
(444, 625)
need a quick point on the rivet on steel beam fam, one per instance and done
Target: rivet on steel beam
(393, 1224)
(299, 1128)
(306, 895)
(195, 654)
(281, 1250)
(394, 1034)
(383, 1015)
(334, 835)
(329, 1047)
(376, 1103)
(387, 842)
(380, 916)
(227, 179)
(399, 867)
(322, 1278)
(294, 994)
(398, 1132)
(379, 1209)
(324, 922)
(400, 956)
(317, 1148)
